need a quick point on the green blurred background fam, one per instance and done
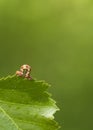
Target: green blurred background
(56, 38)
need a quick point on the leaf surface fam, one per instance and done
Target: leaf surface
(6, 121)
(26, 104)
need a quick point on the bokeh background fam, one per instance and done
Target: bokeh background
(56, 38)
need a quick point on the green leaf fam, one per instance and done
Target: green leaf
(6, 121)
(26, 104)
